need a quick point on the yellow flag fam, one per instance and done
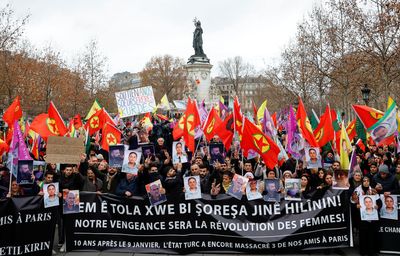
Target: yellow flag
(390, 102)
(261, 109)
(164, 103)
(345, 148)
(96, 106)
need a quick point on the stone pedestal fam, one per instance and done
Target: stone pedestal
(199, 78)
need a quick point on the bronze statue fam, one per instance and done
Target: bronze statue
(198, 39)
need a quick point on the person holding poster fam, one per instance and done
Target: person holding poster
(237, 187)
(25, 172)
(156, 193)
(192, 187)
(313, 158)
(71, 202)
(252, 192)
(271, 190)
(368, 207)
(132, 165)
(50, 195)
(388, 210)
(116, 155)
(178, 153)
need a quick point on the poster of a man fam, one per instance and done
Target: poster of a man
(368, 207)
(192, 187)
(25, 172)
(238, 186)
(148, 150)
(252, 190)
(71, 201)
(116, 155)
(313, 158)
(271, 193)
(178, 152)
(216, 153)
(389, 207)
(156, 193)
(131, 162)
(385, 127)
(50, 196)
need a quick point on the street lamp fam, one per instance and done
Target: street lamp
(365, 91)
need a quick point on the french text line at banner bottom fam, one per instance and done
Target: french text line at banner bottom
(208, 234)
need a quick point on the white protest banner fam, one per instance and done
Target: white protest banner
(136, 101)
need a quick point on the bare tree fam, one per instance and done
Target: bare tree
(94, 68)
(166, 75)
(236, 71)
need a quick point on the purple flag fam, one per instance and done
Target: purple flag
(223, 110)
(268, 125)
(295, 142)
(18, 149)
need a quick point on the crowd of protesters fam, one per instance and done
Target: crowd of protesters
(377, 172)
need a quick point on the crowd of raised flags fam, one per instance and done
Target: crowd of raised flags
(262, 134)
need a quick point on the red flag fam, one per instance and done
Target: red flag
(111, 136)
(225, 131)
(177, 132)
(351, 130)
(273, 117)
(254, 138)
(255, 113)
(3, 147)
(212, 122)
(192, 120)
(56, 119)
(95, 122)
(78, 121)
(368, 116)
(360, 144)
(13, 112)
(305, 126)
(324, 131)
(44, 126)
(35, 147)
(162, 117)
(238, 116)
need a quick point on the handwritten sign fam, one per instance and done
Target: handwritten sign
(136, 101)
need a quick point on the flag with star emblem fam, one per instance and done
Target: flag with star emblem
(305, 125)
(212, 121)
(238, 117)
(13, 112)
(177, 132)
(44, 126)
(225, 131)
(111, 136)
(192, 120)
(368, 116)
(95, 122)
(95, 107)
(254, 138)
(324, 132)
(59, 125)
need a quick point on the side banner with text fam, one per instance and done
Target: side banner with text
(135, 101)
(389, 233)
(205, 225)
(26, 227)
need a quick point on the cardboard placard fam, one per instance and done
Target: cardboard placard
(64, 150)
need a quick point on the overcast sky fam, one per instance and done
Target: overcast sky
(130, 32)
